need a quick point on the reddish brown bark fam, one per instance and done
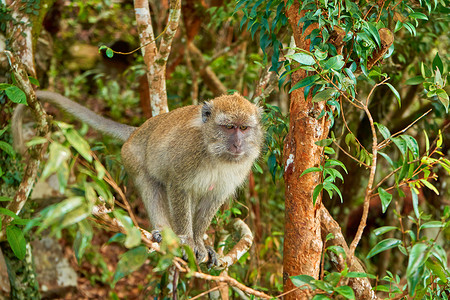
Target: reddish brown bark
(303, 243)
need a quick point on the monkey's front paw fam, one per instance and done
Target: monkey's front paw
(213, 257)
(207, 254)
(156, 235)
(200, 253)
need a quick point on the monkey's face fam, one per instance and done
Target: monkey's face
(232, 129)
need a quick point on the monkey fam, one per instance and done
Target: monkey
(184, 163)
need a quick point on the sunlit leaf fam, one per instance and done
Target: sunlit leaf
(78, 143)
(417, 258)
(383, 246)
(383, 130)
(300, 280)
(385, 198)
(345, 291)
(129, 262)
(305, 82)
(415, 80)
(303, 58)
(16, 241)
(16, 95)
(384, 229)
(324, 95)
(429, 185)
(397, 95)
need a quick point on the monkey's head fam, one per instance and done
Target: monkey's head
(231, 128)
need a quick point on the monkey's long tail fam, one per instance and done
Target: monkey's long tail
(104, 125)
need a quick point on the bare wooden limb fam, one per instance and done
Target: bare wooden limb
(245, 242)
(266, 84)
(156, 60)
(206, 73)
(36, 154)
(361, 286)
(373, 168)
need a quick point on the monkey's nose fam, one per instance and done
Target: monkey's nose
(236, 148)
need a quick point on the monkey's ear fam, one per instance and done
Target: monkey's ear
(206, 111)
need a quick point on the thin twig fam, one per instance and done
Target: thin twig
(366, 206)
(388, 140)
(351, 156)
(206, 292)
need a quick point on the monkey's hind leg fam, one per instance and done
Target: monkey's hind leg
(206, 209)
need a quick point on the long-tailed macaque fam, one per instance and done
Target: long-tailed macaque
(184, 163)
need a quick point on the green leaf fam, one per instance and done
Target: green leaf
(345, 291)
(33, 81)
(418, 15)
(330, 236)
(7, 212)
(300, 280)
(8, 149)
(398, 26)
(383, 130)
(335, 63)
(58, 156)
(385, 198)
(133, 238)
(320, 297)
(325, 286)
(334, 162)
(316, 192)
(437, 62)
(324, 142)
(305, 82)
(338, 250)
(397, 95)
(374, 32)
(383, 246)
(417, 258)
(324, 95)
(331, 187)
(4, 198)
(360, 275)
(78, 143)
(36, 140)
(432, 224)
(312, 169)
(55, 214)
(109, 52)
(16, 95)
(82, 239)
(129, 262)
(101, 171)
(415, 80)
(415, 202)
(412, 144)
(4, 86)
(16, 241)
(429, 185)
(303, 58)
(437, 269)
(384, 229)
(401, 145)
(443, 97)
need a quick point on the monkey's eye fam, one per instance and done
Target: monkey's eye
(229, 126)
(243, 128)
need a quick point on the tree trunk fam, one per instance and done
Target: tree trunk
(302, 243)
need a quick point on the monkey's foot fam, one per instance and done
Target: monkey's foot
(213, 257)
(156, 235)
